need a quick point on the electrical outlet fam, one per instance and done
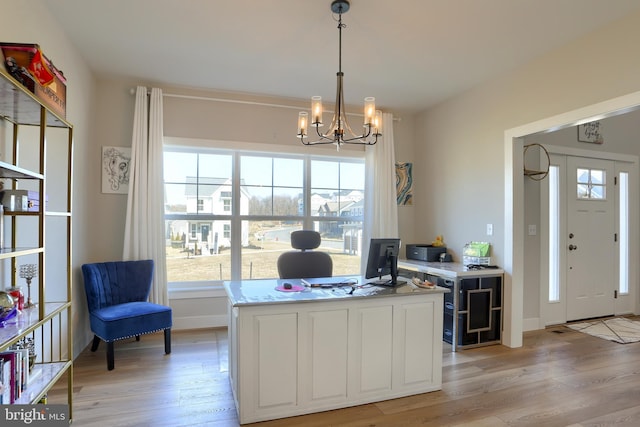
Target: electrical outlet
(489, 229)
(532, 230)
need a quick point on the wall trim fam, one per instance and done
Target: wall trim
(199, 322)
(197, 292)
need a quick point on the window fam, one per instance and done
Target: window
(229, 214)
(591, 184)
(623, 243)
(554, 234)
(225, 198)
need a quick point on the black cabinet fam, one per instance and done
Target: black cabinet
(472, 310)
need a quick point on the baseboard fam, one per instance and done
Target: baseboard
(531, 324)
(198, 322)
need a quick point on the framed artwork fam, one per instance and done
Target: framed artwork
(115, 169)
(590, 132)
(404, 183)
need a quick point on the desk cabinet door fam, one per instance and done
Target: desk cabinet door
(323, 366)
(372, 341)
(417, 347)
(275, 359)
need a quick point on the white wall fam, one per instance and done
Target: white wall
(28, 21)
(461, 141)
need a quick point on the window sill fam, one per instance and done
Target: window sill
(195, 290)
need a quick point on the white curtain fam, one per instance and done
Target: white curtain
(380, 203)
(144, 228)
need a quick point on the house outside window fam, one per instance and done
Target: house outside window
(234, 223)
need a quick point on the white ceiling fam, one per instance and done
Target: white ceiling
(409, 54)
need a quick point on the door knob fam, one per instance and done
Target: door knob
(572, 247)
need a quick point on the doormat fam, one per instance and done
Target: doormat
(618, 329)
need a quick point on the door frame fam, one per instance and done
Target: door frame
(556, 312)
(514, 231)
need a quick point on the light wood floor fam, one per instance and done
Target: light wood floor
(558, 378)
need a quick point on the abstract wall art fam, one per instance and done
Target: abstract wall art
(404, 183)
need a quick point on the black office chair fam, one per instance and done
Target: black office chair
(305, 262)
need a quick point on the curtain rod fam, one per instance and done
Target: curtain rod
(132, 91)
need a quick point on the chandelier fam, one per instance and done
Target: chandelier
(339, 131)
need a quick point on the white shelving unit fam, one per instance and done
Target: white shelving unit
(31, 136)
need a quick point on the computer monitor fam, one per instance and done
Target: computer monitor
(383, 260)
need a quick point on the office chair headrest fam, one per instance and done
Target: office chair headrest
(305, 239)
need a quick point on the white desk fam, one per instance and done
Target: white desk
(293, 353)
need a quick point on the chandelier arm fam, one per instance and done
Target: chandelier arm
(318, 142)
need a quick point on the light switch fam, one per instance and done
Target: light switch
(532, 230)
(489, 229)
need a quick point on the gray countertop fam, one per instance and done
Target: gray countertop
(263, 292)
(447, 269)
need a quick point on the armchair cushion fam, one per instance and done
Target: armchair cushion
(129, 319)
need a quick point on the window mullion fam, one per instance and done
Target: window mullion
(236, 221)
(307, 216)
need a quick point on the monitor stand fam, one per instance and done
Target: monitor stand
(381, 282)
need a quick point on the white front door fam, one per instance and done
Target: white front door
(591, 257)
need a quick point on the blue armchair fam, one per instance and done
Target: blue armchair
(117, 294)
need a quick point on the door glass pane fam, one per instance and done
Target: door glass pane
(583, 191)
(583, 176)
(597, 176)
(597, 192)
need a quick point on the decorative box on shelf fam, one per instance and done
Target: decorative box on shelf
(15, 200)
(29, 66)
(20, 200)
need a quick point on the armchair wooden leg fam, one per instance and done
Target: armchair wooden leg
(110, 356)
(95, 343)
(167, 341)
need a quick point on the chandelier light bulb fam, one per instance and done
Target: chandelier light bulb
(316, 108)
(303, 120)
(369, 110)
